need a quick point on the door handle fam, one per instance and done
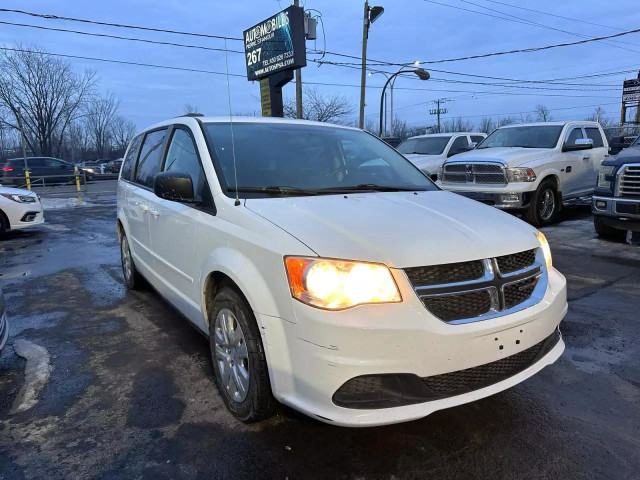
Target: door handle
(586, 158)
(153, 212)
(143, 207)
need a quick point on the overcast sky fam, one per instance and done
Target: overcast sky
(408, 30)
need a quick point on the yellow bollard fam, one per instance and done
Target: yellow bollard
(77, 174)
(26, 176)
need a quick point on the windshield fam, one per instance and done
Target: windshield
(542, 136)
(424, 145)
(283, 157)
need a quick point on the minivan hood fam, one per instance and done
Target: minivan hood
(399, 229)
(511, 156)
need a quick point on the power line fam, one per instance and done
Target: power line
(118, 25)
(554, 15)
(117, 37)
(511, 17)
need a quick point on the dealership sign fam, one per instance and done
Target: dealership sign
(275, 44)
(631, 90)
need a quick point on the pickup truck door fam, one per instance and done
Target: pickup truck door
(597, 154)
(574, 164)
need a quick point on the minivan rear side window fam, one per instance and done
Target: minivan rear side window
(594, 134)
(150, 157)
(130, 160)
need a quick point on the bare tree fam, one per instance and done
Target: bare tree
(486, 125)
(122, 132)
(190, 108)
(543, 114)
(320, 108)
(456, 125)
(506, 121)
(99, 116)
(48, 93)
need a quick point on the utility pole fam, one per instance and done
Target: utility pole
(363, 74)
(298, 81)
(437, 111)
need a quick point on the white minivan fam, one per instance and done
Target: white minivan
(330, 274)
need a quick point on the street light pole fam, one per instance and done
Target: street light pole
(363, 74)
(420, 72)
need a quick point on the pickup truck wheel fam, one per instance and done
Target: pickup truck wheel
(239, 362)
(544, 205)
(132, 279)
(605, 230)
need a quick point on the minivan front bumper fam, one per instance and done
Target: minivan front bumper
(328, 349)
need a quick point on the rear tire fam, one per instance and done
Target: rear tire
(544, 205)
(606, 231)
(239, 361)
(4, 224)
(132, 279)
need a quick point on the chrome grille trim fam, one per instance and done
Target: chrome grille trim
(492, 173)
(628, 181)
(494, 283)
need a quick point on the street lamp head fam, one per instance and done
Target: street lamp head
(416, 63)
(422, 73)
(375, 13)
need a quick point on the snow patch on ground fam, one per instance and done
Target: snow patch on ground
(56, 203)
(36, 374)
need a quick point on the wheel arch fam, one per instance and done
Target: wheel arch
(6, 220)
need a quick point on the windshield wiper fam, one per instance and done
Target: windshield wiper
(273, 190)
(372, 187)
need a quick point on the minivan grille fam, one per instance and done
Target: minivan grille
(629, 181)
(490, 173)
(472, 291)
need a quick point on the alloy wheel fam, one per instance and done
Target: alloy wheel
(126, 258)
(547, 204)
(232, 355)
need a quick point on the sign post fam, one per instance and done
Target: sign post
(274, 48)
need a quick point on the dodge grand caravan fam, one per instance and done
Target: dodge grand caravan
(330, 274)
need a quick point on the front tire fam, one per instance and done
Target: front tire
(606, 231)
(132, 278)
(544, 205)
(239, 361)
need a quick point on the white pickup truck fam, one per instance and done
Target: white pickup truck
(429, 152)
(531, 168)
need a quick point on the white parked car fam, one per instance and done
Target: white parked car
(428, 152)
(19, 209)
(530, 168)
(330, 274)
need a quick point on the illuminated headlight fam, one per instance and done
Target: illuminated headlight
(544, 246)
(88, 170)
(603, 173)
(520, 174)
(19, 198)
(337, 284)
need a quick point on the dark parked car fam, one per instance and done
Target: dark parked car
(616, 200)
(4, 323)
(58, 171)
(113, 166)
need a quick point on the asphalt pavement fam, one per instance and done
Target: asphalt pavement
(125, 383)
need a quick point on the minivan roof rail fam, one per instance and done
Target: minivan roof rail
(191, 115)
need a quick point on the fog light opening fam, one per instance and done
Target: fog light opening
(510, 198)
(601, 204)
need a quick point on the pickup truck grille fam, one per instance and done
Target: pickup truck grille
(484, 173)
(629, 181)
(471, 291)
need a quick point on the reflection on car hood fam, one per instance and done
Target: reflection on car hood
(16, 191)
(510, 156)
(430, 163)
(399, 229)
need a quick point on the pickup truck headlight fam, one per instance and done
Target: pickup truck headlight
(603, 173)
(337, 284)
(546, 251)
(19, 198)
(520, 174)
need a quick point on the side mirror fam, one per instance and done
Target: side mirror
(472, 146)
(174, 186)
(581, 144)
